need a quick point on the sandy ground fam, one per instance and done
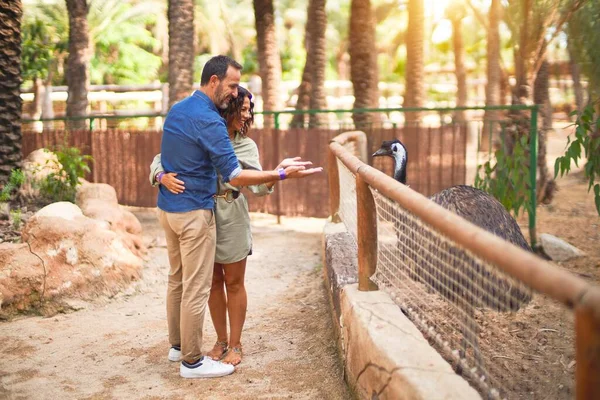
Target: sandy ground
(117, 348)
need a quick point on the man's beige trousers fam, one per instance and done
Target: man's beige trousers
(191, 243)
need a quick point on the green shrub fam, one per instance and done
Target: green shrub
(15, 217)
(587, 138)
(506, 177)
(15, 181)
(62, 185)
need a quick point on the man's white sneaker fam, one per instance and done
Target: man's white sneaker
(175, 354)
(205, 368)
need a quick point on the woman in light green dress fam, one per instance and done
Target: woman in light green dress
(234, 238)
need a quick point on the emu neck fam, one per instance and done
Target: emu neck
(400, 168)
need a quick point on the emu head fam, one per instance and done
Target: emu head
(396, 150)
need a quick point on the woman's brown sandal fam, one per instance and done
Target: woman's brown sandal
(233, 356)
(218, 351)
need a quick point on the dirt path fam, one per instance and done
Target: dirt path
(116, 348)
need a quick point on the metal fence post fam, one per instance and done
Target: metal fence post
(587, 350)
(533, 156)
(366, 235)
(277, 158)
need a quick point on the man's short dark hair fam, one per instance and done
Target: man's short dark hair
(218, 66)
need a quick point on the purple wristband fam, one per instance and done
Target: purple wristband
(282, 174)
(159, 176)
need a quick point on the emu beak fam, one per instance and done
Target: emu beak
(381, 152)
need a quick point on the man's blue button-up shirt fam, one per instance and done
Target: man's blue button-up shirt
(195, 142)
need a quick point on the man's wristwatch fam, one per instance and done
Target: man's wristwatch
(282, 174)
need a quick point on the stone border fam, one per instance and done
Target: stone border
(383, 353)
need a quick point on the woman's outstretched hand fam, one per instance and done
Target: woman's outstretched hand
(299, 171)
(294, 161)
(172, 184)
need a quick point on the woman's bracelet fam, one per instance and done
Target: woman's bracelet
(159, 176)
(282, 174)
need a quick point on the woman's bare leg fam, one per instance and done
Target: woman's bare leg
(237, 303)
(217, 305)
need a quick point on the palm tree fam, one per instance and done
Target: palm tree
(415, 68)
(456, 13)
(11, 13)
(583, 44)
(534, 24)
(363, 59)
(305, 87)
(318, 47)
(181, 49)
(268, 57)
(78, 76)
(575, 74)
(494, 73)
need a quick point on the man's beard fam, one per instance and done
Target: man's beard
(221, 102)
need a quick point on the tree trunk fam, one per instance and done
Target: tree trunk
(415, 66)
(459, 69)
(304, 89)
(494, 76)
(363, 60)
(541, 96)
(38, 98)
(77, 73)
(576, 75)
(181, 49)
(318, 46)
(11, 13)
(268, 57)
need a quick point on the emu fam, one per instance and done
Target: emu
(487, 288)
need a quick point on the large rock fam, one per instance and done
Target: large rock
(71, 255)
(99, 201)
(36, 167)
(21, 276)
(557, 249)
(96, 191)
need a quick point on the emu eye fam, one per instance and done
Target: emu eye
(395, 147)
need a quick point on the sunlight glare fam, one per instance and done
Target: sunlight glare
(436, 8)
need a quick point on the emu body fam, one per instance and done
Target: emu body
(467, 285)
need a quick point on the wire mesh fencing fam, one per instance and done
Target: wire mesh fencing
(488, 326)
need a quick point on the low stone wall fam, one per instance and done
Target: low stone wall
(384, 354)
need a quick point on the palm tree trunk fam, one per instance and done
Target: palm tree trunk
(415, 65)
(459, 69)
(268, 57)
(541, 96)
(47, 104)
(318, 47)
(363, 60)
(78, 78)
(181, 49)
(11, 13)
(304, 89)
(494, 75)
(576, 75)
(38, 98)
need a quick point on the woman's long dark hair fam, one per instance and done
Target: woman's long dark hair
(234, 109)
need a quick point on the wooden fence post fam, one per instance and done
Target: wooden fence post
(587, 350)
(366, 235)
(334, 186)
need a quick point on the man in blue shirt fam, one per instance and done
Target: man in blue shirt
(195, 144)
